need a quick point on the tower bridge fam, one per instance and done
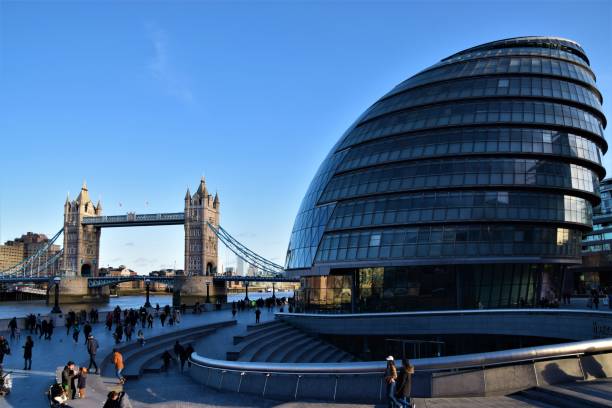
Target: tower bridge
(78, 261)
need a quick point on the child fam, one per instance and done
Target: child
(82, 381)
(141, 338)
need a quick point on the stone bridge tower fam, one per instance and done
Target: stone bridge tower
(81, 242)
(201, 243)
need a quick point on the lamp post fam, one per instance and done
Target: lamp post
(246, 291)
(56, 308)
(207, 292)
(148, 286)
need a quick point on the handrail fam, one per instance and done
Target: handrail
(439, 312)
(463, 361)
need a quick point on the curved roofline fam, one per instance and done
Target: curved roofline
(577, 47)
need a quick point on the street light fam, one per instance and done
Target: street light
(207, 292)
(148, 285)
(56, 308)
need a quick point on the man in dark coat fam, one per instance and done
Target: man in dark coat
(92, 350)
(68, 378)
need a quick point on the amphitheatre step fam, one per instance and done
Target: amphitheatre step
(290, 352)
(257, 330)
(236, 352)
(134, 348)
(563, 398)
(264, 353)
(251, 327)
(302, 356)
(287, 346)
(254, 348)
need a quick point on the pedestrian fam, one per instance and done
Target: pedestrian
(17, 334)
(43, 329)
(118, 335)
(233, 313)
(118, 362)
(128, 332)
(189, 351)
(109, 321)
(141, 338)
(162, 318)
(50, 327)
(183, 357)
(166, 357)
(68, 377)
(12, 325)
(92, 350)
(76, 330)
(69, 323)
(150, 321)
(257, 314)
(81, 382)
(27, 353)
(86, 331)
(390, 379)
(404, 382)
(178, 349)
(38, 327)
(4, 349)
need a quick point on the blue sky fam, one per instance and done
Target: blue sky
(143, 98)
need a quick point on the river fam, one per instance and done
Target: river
(20, 309)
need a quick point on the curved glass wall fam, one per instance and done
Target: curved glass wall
(487, 87)
(460, 206)
(479, 141)
(435, 174)
(450, 241)
(482, 170)
(501, 65)
(473, 113)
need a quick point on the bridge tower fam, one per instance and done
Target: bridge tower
(201, 243)
(81, 242)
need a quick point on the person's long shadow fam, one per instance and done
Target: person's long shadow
(553, 374)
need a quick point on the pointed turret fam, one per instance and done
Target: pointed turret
(216, 202)
(202, 188)
(99, 207)
(67, 203)
(83, 197)
(187, 195)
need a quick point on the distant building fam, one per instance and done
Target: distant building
(122, 270)
(252, 271)
(239, 266)
(596, 269)
(230, 271)
(15, 251)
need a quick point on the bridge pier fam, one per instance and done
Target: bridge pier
(191, 289)
(73, 289)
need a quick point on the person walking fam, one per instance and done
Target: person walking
(404, 382)
(12, 325)
(166, 357)
(233, 312)
(4, 349)
(128, 332)
(38, 328)
(76, 330)
(86, 331)
(92, 350)
(150, 321)
(391, 379)
(43, 329)
(162, 318)
(50, 327)
(118, 362)
(27, 353)
(81, 380)
(188, 352)
(257, 315)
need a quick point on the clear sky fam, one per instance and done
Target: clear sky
(143, 98)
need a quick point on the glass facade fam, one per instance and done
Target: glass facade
(469, 184)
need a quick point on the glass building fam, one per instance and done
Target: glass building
(468, 185)
(596, 269)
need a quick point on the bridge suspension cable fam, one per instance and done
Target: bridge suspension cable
(37, 262)
(244, 253)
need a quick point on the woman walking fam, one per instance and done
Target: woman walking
(404, 382)
(81, 381)
(76, 330)
(390, 379)
(27, 353)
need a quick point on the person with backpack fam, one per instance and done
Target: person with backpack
(391, 381)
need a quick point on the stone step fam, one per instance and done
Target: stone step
(288, 355)
(259, 332)
(267, 354)
(251, 327)
(236, 352)
(564, 398)
(258, 347)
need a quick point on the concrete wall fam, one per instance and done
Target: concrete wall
(555, 323)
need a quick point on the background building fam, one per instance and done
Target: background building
(596, 269)
(15, 251)
(468, 185)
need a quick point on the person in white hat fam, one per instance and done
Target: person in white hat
(390, 379)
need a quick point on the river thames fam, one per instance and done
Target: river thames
(20, 309)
